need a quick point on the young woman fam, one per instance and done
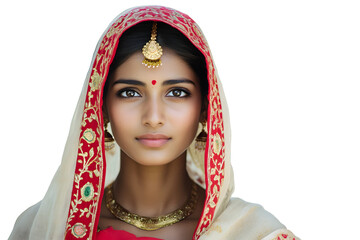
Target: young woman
(152, 104)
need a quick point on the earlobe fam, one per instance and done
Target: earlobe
(203, 116)
(204, 108)
(104, 112)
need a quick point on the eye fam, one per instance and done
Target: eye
(178, 93)
(128, 93)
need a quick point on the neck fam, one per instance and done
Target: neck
(152, 190)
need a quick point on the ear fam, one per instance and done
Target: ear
(104, 111)
(204, 108)
(203, 116)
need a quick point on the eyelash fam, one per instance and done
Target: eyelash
(127, 90)
(187, 93)
(183, 93)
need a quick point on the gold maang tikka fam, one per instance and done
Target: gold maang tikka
(152, 51)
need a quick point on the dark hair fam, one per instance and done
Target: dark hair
(135, 38)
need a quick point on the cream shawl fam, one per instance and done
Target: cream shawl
(71, 206)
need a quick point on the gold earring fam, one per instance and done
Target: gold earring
(200, 141)
(109, 140)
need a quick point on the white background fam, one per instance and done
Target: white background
(290, 70)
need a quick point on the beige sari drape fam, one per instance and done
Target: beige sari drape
(71, 206)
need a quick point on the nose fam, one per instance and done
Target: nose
(153, 115)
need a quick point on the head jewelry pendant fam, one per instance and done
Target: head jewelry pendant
(152, 51)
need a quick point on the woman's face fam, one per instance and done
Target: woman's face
(154, 113)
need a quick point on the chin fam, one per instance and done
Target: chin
(156, 158)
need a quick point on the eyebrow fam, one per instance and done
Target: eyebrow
(165, 83)
(176, 81)
(129, 81)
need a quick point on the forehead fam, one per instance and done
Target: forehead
(173, 67)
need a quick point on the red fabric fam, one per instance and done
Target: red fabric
(111, 234)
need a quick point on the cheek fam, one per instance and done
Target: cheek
(187, 118)
(121, 117)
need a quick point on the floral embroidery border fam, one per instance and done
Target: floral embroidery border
(89, 174)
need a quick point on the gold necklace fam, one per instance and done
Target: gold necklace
(150, 223)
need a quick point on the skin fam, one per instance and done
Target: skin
(154, 124)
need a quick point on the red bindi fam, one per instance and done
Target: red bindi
(153, 82)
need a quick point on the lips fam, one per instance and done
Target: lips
(153, 140)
